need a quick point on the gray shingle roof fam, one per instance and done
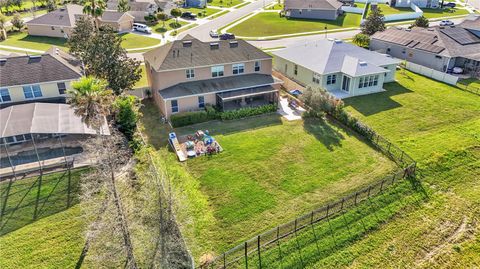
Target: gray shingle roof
(194, 53)
(329, 56)
(22, 70)
(218, 85)
(112, 16)
(312, 4)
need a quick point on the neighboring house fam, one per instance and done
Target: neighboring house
(60, 22)
(341, 68)
(196, 3)
(138, 9)
(419, 3)
(187, 74)
(37, 78)
(313, 9)
(475, 4)
(439, 48)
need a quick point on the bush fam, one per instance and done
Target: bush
(187, 118)
(127, 113)
(247, 112)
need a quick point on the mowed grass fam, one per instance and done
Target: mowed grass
(270, 23)
(42, 43)
(169, 25)
(271, 171)
(388, 10)
(433, 13)
(204, 11)
(224, 3)
(41, 226)
(134, 41)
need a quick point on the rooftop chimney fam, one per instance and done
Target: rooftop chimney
(362, 63)
(187, 43)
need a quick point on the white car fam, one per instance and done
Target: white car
(446, 23)
(214, 33)
(142, 28)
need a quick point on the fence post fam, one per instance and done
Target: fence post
(311, 219)
(224, 261)
(246, 256)
(295, 230)
(388, 150)
(355, 201)
(328, 209)
(259, 256)
(393, 178)
(401, 157)
(343, 200)
(381, 185)
(369, 189)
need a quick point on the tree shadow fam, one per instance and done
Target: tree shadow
(375, 103)
(323, 131)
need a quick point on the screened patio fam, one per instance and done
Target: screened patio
(252, 97)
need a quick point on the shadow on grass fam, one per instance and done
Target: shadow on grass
(323, 132)
(27, 200)
(372, 104)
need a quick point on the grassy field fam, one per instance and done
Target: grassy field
(133, 41)
(269, 172)
(224, 3)
(205, 11)
(40, 222)
(388, 10)
(143, 82)
(270, 23)
(433, 13)
(169, 25)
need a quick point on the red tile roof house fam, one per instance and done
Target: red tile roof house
(188, 74)
(60, 22)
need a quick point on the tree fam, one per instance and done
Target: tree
(17, 22)
(91, 100)
(320, 101)
(103, 56)
(421, 21)
(94, 8)
(176, 12)
(123, 6)
(127, 114)
(3, 32)
(361, 40)
(162, 17)
(51, 5)
(375, 22)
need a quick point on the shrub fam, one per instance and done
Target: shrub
(127, 113)
(247, 112)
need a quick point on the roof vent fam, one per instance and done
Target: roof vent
(35, 56)
(214, 45)
(233, 44)
(430, 29)
(362, 63)
(187, 43)
(338, 41)
(3, 60)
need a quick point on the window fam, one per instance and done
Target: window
(61, 87)
(331, 79)
(257, 66)
(316, 78)
(360, 83)
(295, 69)
(365, 82)
(4, 96)
(388, 49)
(201, 101)
(238, 69)
(217, 71)
(370, 81)
(190, 73)
(375, 80)
(53, 28)
(174, 106)
(32, 91)
(438, 56)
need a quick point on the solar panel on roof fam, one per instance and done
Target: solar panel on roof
(461, 36)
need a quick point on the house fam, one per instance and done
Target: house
(418, 3)
(341, 68)
(139, 9)
(37, 78)
(187, 74)
(313, 9)
(439, 48)
(60, 22)
(196, 3)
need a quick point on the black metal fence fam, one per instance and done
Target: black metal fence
(470, 88)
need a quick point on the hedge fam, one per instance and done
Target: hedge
(247, 112)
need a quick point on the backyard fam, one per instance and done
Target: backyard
(388, 10)
(270, 171)
(433, 13)
(270, 23)
(224, 3)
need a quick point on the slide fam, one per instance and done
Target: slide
(172, 139)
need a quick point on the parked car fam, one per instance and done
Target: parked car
(296, 92)
(189, 16)
(227, 36)
(214, 33)
(446, 23)
(142, 28)
(451, 5)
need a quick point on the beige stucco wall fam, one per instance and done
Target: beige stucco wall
(46, 30)
(190, 103)
(49, 90)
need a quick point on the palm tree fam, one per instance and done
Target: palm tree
(91, 101)
(94, 8)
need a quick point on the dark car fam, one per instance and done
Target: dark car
(227, 36)
(452, 5)
(189, 16)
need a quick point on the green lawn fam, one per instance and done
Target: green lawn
(29, 14)
(224, 3)
(388, 10)
(360, 5)
(270, 23)
(469, 83)
(143, 82)
(40, 222)
(23, 40)
(269, 172)
(169, 25)
(133, 41)
(433, 13)
(205, 11)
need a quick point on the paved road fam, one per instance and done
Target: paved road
(202, 31)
